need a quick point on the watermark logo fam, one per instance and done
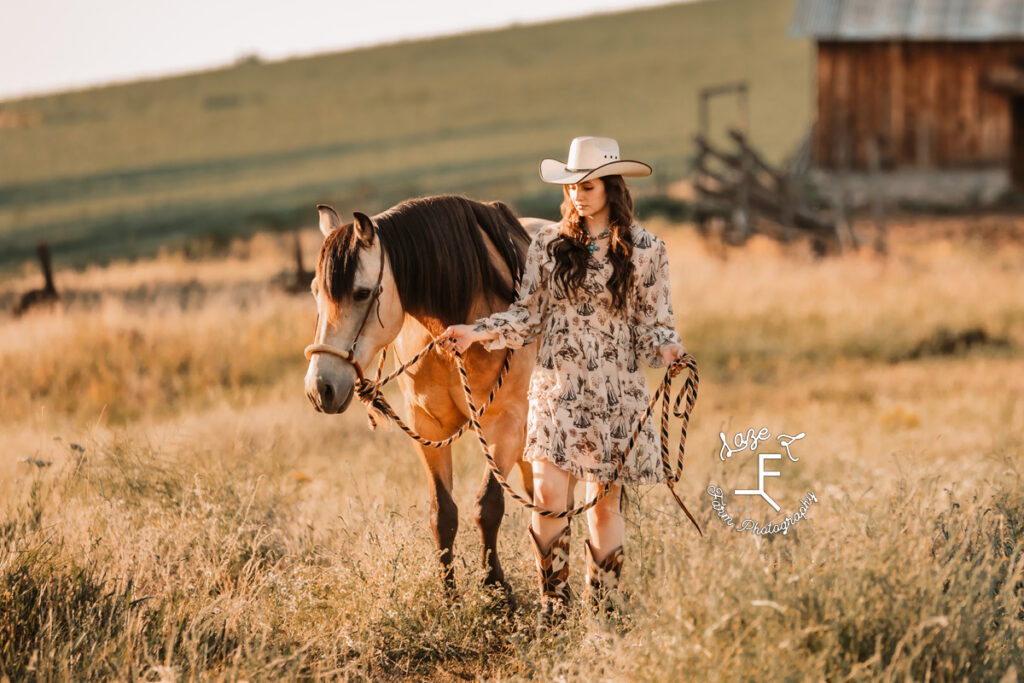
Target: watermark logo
(751, 441)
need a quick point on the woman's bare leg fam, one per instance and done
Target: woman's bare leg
(550, 491)
(607, 528)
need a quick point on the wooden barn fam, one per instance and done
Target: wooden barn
(917, 84)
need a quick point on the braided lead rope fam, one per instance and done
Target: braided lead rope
(690, 392)
(378, 407)
(380, 366)
(374, 416)
(663, 391)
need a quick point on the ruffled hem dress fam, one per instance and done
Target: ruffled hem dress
(587, 391)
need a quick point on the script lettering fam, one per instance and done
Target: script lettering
(742, 441)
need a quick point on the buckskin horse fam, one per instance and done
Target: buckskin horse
(401, 277)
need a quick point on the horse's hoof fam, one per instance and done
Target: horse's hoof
(451, 594)
(502, 596)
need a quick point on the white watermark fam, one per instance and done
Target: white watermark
(750, 440)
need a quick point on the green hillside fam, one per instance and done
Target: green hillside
(121, 170)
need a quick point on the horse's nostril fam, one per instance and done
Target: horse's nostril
(326, 392)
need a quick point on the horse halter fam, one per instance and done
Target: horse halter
(349, 354)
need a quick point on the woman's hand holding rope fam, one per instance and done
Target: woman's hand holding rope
(461, 337)
(670, 354)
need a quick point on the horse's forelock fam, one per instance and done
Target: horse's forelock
(338, 263)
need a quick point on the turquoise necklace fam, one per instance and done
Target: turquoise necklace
(592, 245)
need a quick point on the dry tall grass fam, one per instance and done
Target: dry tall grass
(199, 520)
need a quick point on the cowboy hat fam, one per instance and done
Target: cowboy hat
(590, 157)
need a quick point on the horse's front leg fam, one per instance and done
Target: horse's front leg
(506, 433)
(444, 514)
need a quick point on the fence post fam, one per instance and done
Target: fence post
(877, 201)
(700, 216)
(301, 277)
(741, 217)
(785, 190)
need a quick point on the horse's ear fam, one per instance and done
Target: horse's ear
(364, 228)
(329, 219)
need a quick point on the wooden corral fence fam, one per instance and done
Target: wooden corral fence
(747, 194)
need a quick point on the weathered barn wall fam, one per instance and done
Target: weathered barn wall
(924, 101)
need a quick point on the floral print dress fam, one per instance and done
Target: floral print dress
(587, 391)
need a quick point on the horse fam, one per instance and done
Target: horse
(401, 277)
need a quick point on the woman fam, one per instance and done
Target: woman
(595, 287)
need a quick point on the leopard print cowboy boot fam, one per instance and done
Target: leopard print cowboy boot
(553, 568)
(602, 579)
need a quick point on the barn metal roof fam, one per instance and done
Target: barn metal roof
(909, 19)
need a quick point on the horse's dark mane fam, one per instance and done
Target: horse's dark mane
(437, 252)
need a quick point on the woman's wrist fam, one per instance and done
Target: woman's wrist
(481, 333)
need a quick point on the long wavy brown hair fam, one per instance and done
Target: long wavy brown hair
(570, 252)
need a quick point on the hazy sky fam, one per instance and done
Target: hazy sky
(48, 45)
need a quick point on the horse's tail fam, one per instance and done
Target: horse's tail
(506, 233)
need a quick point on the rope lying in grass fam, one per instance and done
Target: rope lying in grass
(378, 408)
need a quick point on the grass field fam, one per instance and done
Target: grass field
(199, 520)
(122, 170)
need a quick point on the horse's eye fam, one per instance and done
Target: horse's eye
(361, 294)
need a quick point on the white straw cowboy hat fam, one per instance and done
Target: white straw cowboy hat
(590, 157)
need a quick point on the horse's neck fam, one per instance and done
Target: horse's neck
(419, 329)
(484, 302)
(423, 325)
(483, 305)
